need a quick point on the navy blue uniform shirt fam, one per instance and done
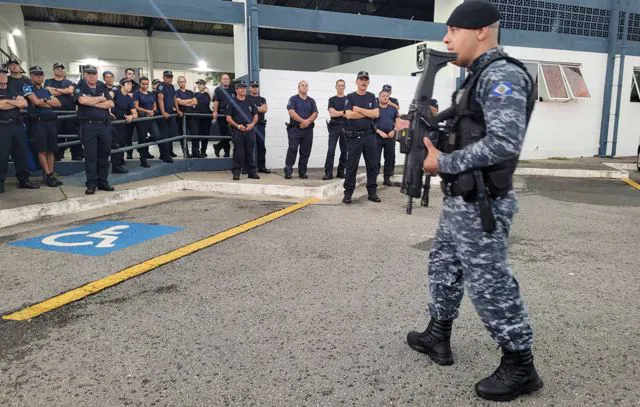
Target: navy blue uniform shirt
(41, 93)
(387, 118)
(258, 101)
(20, 86)
(242, 111)
(303, 107)
(366, 101)
(185, 94)
(123, 105)
(91, 112)
(9, 94)
(337, 102)
(169, 93)
(204, 102)
(222, 96)
(65, 100)
(144, 101)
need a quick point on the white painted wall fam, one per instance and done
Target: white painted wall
(569, 129)
(10, 19)
(278, 86)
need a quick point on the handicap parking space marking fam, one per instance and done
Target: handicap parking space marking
(97, 239)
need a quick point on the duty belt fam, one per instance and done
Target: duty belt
(453, 189)
(35, 119)
(357, 134)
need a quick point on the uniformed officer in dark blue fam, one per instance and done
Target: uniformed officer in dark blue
(199, 147)
(222, 96)
(361, 111)
(386, 136)
(303, 112)
(94, 101)
(392, 101)
(187, 101)
(43, 132)
(145, 103)
(123, 109)
(242, 116)
(130, 74)
(336, 127)
(109, 81)
(168, 105)
(11, 132)
(261, 127)
(62, 88)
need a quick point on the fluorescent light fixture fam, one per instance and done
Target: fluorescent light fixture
(91, 61)
(16, 32)
(202, 64)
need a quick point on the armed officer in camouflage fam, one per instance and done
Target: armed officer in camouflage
(493, 107)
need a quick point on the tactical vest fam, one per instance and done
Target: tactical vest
(468, 127)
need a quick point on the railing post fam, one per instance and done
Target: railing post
(184, 136)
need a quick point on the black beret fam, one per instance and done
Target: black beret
(474, 14)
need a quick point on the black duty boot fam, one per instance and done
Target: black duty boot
(347, 197)
(515, 376)
(435, 341)
(340, 173)
(118, 169)
(144, 163)
(327, 177)
(387, 182)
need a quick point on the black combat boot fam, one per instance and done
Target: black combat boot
(435, 341)
(387, 182)
(515, 376)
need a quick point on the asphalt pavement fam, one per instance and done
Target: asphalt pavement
(313, 308)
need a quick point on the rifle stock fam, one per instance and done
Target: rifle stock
(422, 124)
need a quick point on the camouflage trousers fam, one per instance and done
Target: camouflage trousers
(463, 255)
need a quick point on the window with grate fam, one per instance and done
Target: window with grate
(545, 16)
(558, 82)
(635, 86)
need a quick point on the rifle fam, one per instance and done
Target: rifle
(423, 124)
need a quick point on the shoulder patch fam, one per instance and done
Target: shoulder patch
(78, 91)
(27, 89)
(503, 89)
(160, 87)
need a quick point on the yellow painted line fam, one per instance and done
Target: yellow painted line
(632, 183)
(148, 265)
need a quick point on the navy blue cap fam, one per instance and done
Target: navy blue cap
(58, 65)
(93, 69)
(241, 84)
(155, 81)
(11, 61)
(201, 82)
(386, 88)
(363, 74)
(167, 73)
(255, 84)
(434, 103)
(36, 70)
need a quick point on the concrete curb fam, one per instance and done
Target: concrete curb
(571, 173)
(622, 166)
(15, 216)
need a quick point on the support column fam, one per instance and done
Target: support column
(608, 83)
(240, 46)
(253, 40)
(150, 58)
